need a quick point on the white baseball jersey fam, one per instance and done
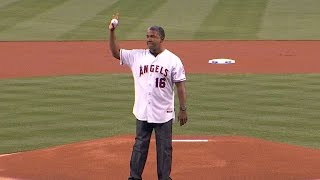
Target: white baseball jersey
(154, 79)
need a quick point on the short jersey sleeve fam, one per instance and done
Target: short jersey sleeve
(126, 57)
(178, 72)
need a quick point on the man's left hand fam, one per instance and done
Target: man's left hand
(182, 117)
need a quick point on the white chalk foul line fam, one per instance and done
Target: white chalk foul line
(5, 178)
(2, 155)
(190, 140)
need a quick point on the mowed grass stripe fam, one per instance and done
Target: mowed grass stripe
(132, 14)
(6, 2)
(179, 18)
(233, 19)
(291, 20)
(40, 112)
(255, 105)
(20, 11)
(56, 21)
(36, 112)
(32, 137)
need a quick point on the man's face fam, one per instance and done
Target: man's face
(153, 39)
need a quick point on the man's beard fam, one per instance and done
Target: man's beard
(151, 45)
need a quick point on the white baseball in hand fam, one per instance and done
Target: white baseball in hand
(114, 22)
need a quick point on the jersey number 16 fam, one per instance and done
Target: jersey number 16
(161, 82)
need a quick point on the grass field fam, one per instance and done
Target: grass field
(182, 19)
(41, 112)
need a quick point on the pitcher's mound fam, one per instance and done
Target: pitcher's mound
(194, 158)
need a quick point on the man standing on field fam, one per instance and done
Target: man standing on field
(155, 70)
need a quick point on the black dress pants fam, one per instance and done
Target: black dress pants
(163, 135)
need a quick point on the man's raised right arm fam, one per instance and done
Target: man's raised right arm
(113, 44)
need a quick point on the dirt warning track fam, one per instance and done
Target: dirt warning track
(26, 59)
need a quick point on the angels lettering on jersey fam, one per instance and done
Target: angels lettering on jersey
(153, 69)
